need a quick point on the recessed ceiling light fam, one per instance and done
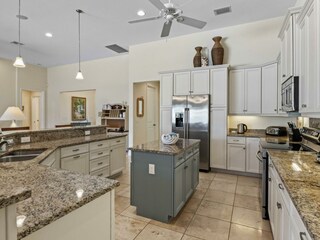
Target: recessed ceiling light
(141, 13)
(49, 35)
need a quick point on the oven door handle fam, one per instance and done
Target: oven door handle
(259, 157)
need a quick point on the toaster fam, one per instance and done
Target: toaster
(276, 131)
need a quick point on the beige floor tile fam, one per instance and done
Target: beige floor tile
(249, 181)
(203, 184)
(127, 228)
(121, 187)
(152, 232)
(186, 237)
(178, 224)
(131, 212)
(207, 176)
(229, 178)
(215, 210)
(125, 192)
(220, 197)
(223, 186)
(248, 191)
(208, 228)
(249, 218)
(249, 202)
(124, 178)
(199, 193)
(192, 205)
(121, 203)
(238, 232)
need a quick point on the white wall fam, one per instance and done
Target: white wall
(109, 77)
(65, 106)
(252, 43)
(254, 122)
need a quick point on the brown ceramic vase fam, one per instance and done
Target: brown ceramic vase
(197, 57)
(217, 51)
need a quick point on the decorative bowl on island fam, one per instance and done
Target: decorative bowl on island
(170, 138)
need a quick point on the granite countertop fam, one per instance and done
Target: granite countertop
(44, 194)
(159, 147)
(301, 177)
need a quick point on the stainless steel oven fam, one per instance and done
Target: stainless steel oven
(290, 94)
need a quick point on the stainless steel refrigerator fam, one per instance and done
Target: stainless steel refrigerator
(191, 119)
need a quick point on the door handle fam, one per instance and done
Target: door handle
(303, 236)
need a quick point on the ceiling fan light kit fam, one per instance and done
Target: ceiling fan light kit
(170, 12)
(19, 60)
(79, 75)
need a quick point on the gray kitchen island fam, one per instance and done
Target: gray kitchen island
(163, 177)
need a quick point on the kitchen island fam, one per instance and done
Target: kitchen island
(58, 204)
(163, 177)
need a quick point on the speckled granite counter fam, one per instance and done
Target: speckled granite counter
(53, 192)
(159, 147)
(303, 186)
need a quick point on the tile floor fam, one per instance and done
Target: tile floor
(223, 207)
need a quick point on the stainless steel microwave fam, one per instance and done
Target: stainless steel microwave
(290, 94)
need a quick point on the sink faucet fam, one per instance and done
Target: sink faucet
(3, 144)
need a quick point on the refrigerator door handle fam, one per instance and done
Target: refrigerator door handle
(187, 123)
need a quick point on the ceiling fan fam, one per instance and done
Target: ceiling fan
(170, 12)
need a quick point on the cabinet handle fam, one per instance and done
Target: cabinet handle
(275, 109)
(75, 157)
(100, 175)
(236, 140)
(100, 163)
(283, 75)
(303, 236)
(185, 167)
(269, 179)
(100, 153)
(118, 141)
(75, 150)
(270, 165)
(111, 150)
(100, 145)
(279, 205)
(281, 186)
(244, 148)
(304, 105)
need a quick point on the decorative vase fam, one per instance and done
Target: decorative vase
(197, 57)
(217, 51)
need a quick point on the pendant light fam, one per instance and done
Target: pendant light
(79, 74)
(19, 61)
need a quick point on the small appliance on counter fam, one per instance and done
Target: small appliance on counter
(294, 133)
(276, 131)
(242, 128)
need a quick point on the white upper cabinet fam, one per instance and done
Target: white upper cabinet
(166, 89)
(269, 89)
(219, 87)
(192, 83)
(245, 91)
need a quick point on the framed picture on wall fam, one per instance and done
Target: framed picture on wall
(78, 108)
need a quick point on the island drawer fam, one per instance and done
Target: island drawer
(237, 140)
(104, 172)
(117, 141)
(189, 152)
(99, 145)
(73, 150)
(196, 148)
(179, 159)
(99, 163)
(99, 153)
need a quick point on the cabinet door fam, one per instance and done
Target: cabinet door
(195, 170)
(78, 163)
(188, 177)
(200, 83)
(181, 83)
(252, 147)
(165, 120)
(252, 91)
(236, 92)
(289, 48)
(166, 89)
(236, 157)
(219, 87)
(269, 94)
(179, 186)
(271, 192)
(218, 138)
(117, 159)
(283, 72)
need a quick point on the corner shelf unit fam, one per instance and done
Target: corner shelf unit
(115, 119)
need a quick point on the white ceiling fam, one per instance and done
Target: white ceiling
(105, 22)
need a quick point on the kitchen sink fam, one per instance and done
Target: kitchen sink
(21, 155)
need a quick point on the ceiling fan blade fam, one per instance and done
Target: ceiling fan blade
(191, 22)
(144, 19)
(166, 29)
(158, 4)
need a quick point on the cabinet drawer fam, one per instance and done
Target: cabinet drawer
(179, 159)
(117, 141)
(99, 145)
(104, 172)
(77, 163)
(99, 163)
(189, 152)
(73, 150)
(99, 153)
(237, 140)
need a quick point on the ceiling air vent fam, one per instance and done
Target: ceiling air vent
(16, 43)
(116, 48)
(223, 10)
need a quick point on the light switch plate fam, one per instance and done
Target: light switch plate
(25, 139)
(152, 169)
(87, 133)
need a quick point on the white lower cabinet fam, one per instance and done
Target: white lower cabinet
(242, 154)
(117, 158)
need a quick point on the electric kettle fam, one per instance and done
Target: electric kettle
(241, 128)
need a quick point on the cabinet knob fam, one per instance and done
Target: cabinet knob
(281, 186)
(303, 236)
(283, 75)
(279, 205)
(269, 179)
(304, 105)
(275, 109)
(244, 148)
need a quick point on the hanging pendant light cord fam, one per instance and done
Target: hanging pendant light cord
(19, 17)
(79, 12)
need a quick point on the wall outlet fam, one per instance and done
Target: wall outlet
(87, 133)
(25, 139)
(152, 169)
